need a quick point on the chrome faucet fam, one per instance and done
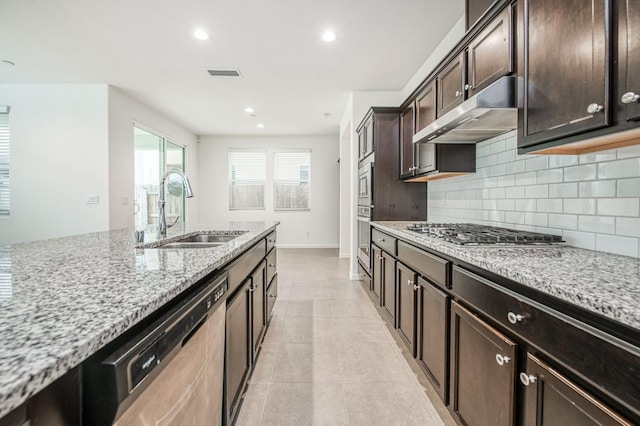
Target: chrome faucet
(162, 217)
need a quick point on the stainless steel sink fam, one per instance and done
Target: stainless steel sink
(201, 241)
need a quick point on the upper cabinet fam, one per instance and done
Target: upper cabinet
(564, 72)
(450, 85)
(365, 139)
(490, 54)
(630, 60)
(474, 9)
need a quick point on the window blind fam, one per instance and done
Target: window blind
(292, 180)
(4, 161)
(247, 175)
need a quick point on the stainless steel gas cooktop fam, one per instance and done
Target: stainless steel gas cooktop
(474, 234)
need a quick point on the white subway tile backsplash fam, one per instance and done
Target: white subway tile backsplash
(536, 191)
(597, 188)
(563, 190)
(514, 192)
(618, 245)
(585, 240)
(580, 173)
(563, 221)
(593, 200)
(628, 226)
(628, 167)
(549, 205)
(580, 205)
(619, 206)
(598, 224)
(537, 163)
(549, 176)
(629, 187)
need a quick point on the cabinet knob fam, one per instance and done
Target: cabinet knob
(381, 240)
(458, 93)
(272, 241)
(273, 296)
(502, 360)
(409, 282)
(271, 265)
(514, 318)
(594, 107)
(468, 86)
(630, 97)
(527, 379)
(416, 287)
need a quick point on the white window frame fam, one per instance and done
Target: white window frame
(5, 170)
(299, 181)
(231, 182)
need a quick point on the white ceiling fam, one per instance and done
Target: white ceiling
(291, 77)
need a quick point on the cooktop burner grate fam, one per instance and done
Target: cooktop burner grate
(475, 234)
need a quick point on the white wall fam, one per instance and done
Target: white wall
(59, 155)
(592, 200)
(123, 112)
(321, 222)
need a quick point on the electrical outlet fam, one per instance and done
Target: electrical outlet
(93, 199)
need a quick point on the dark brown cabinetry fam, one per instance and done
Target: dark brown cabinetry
(417, 159)
(490, 54)
(433, 335)
(365, 139)
(474, 9)
(449, 85)
(388, 299)
(406, 289)
(407, 149)
(552, 399)
(564, 72)
(377, 269)
(258, 308)
(392, 199)
(483, 371)
(237, 354)
(630, 59)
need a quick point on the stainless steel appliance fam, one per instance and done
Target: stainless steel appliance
(170, 373)
(475, 234)
(364, 236)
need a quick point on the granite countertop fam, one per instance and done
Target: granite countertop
(63, 299)
(604, 283)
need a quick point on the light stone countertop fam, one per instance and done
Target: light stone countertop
(63, 299)
(603, 283)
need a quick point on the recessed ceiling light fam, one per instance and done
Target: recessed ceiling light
(329, 36)
(260, 126)
(248, 110)
(201, 35)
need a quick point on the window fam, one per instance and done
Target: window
(154, 155)
(292, 178)
(247, 174)
(4, 161)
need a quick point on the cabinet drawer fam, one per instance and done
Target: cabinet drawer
(433, 267)
(608, 364)
(272, 265)
(272, 296)
(271, 240)
(384, 241)
(242, 267)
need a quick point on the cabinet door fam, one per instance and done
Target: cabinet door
(369, 136)
(565, 72)
(389, 285)
(433, 335)
(552, 399)
(258, 314)
(362, 142)
(483, 366)
(237, 352)
(406, 142)
(474, 9)
(450, 86)
(377, 272)
(633, 59)
(426, 106)
(406, 287)
(491, 54)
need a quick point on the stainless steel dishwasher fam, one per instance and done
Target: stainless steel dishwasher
(170, 373)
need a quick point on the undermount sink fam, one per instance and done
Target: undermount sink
(201, 241)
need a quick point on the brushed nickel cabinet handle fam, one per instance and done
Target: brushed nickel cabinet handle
(594, 108)
(630, 97)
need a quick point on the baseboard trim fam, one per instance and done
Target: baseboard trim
(311, 246)
(355, 277)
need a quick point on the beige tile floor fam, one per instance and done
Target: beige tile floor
(329, 358)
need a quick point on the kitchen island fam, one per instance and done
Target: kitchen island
(63, 299)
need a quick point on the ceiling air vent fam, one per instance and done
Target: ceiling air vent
(224, 73)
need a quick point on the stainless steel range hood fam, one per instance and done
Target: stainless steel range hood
(490, 112)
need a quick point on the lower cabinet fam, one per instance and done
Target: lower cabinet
(483, 371)
(433, 335)
(553, 399)
(237, 354)
(406, 288)
(258, 311)
(377, 268)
